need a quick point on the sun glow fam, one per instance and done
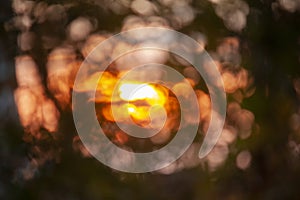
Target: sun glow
(134, 100)
(141, 97)
(142, 91)
(132, 92)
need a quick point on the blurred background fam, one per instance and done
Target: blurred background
(255, 45)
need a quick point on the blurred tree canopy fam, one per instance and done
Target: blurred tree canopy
(260, 36)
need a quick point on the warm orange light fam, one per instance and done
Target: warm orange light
(141, 91)
(141, 97)
(132, 100)
(131, 91)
